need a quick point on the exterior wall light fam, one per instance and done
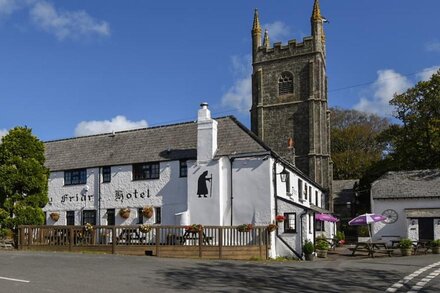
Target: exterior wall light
(284, 174)
(413, 222)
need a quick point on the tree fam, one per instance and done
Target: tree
(354, 144)
(415, 144)
(23, 177)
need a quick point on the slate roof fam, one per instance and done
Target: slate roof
(343, 191)
(163, 143)
(407, 184)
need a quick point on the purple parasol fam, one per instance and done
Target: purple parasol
(366, 219)
(326, 218)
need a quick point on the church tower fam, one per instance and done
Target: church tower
(289, 99)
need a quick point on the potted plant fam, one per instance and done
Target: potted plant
(245, 228)
(435, 246)
(147, 212)
(340, 237)
(55, 216)
(271, 227)
(144, 228)
(88, 227)
(194, 228)
(406, 247)
(280, 218)
(308, 249)
(124, 213)
(322, 247)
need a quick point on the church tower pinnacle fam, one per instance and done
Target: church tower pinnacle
(256, 34)
(318, 34)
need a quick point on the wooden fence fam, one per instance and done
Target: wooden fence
(224, 242)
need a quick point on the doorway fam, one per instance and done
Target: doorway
(426, 228)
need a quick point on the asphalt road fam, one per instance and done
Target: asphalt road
(22, 271)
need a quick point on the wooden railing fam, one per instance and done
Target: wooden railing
(131, 240)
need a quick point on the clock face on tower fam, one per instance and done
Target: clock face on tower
(391, 215)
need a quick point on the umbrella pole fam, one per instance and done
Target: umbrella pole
(369, 232)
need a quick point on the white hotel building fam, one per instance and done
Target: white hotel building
(209, 172)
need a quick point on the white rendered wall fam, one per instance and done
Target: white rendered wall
(403, 227)
(168, 192)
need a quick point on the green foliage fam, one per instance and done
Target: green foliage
(23, 177)
(435, 243)
(308, 247)
(340, 235)
(27, 215)
(406, 243)
(322, 245)
(6, 233)
(363, 231)
(354, 144)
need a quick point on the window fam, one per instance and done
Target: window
(89, 216)
(140, 216)
(305, 191)
(146, 171)
(78, 176)
(288, 183)
(157, 215)
(322, 200)
(45, 218)
(300, 189)
(70, 218)
(310, 223)
(106, 174)
(290, 223)
(111, 217)
(310, 194)
(320, 226)
(183, 168)
(316, 198)
(285, 83)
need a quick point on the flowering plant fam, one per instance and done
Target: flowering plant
(280, 218)
(145, 228)
(55, 216)
(341, 242)
(245, 227)
(271, 227)
(88, 227)
(124, 213)
(194, 228)
(147, 211)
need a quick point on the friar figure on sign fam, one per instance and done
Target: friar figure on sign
(202, 187)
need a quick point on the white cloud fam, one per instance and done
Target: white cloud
(67, 24)
(433, 46)
(426, 73)
(118, 123)
(278, 31)
(386, 85)
(3, 132)
(239, 95)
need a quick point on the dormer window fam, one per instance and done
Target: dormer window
(285, 83)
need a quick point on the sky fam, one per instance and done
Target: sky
(79, 67)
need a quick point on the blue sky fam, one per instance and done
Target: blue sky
(77, 67)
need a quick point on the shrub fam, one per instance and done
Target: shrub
(322, 245)
(340, 235)
(406, 243)
(435, 243)
(308, 247)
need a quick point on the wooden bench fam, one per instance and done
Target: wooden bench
(371, 252)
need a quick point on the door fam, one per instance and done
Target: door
(426, 228)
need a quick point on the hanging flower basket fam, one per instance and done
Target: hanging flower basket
(147, 212)
(194, 228)
(124, 213)
(88, 227)
(245, 228)
(271, 227)
(55, 216)
(280, 218)
(145, 228)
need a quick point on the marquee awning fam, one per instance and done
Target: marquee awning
(422, 213)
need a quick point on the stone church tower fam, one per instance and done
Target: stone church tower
(289, 99)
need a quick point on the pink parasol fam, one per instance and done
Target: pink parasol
(366, 219)
(326, 218)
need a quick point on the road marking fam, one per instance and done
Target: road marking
(15, 280)
(408, 278)
(424, 281)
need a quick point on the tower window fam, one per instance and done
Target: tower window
(285, 83)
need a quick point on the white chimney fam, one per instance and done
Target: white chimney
(206, 135)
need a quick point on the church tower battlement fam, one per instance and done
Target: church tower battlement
(289, 98)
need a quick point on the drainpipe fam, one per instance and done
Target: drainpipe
(275, 195)
(231, 160)
(300, 226)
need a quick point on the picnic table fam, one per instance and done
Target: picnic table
(372, 247)
(421, 244)
(189, 235)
